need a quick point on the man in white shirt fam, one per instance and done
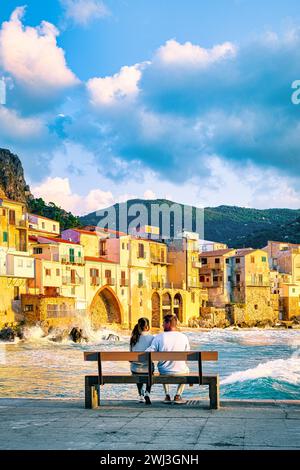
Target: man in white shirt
(171, 340)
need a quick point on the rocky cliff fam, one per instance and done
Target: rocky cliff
(12, 180)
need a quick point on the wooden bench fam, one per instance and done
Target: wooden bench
(94, 382)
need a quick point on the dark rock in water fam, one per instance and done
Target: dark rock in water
(7, 334)
(76, 335)
(112, 337)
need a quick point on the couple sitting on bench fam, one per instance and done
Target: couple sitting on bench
(169, 340)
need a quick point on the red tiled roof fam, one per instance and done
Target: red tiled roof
(87, 232)
(60, 240)
(207, 254)
(98, 259)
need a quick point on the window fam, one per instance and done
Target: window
(37, 251)
(264, 259)
(4, 212)
(71, 255)
(123, 246)
(293, 290)
(57, 272)
(48, 272)
(255, 306)
(5, 237)
(217, 260)
(204, 260)
(20, 263)
(12, 217)
(16, 293)
(94, 272)
(29, 264)
(141, 252)
(215, 278)
(43, 224)
(28, 308)
(252, 259)
(193, 297)
(108, 273)
(123, 278)
(54, 228)
(140, 280)
(229, 278)
(227, 261)
(238, 278)
(202, 279)
(237, 260)
(260, 279)
(103, 251)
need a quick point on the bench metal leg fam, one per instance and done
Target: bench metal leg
(214, 393)
(92, 395)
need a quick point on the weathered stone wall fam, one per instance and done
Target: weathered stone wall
(291, 307)
(258, 306)
(64, 316)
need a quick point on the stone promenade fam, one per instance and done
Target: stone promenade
(65, 424)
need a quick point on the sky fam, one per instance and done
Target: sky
(186, 100)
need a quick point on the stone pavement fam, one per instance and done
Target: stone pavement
(65, 424)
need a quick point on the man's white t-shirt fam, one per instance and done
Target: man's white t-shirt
(171, 341)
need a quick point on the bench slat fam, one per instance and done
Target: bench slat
(184, 356)
(116, 356)
(156, 356)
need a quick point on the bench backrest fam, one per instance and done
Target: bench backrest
(148, 357)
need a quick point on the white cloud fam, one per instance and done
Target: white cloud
(119, 87)
(174, 53)
(59, 191)
(32, 57)
(82, 12)
(12, 126)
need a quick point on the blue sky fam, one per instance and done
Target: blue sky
(188, 100)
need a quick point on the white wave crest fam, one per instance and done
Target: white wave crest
(284, 370)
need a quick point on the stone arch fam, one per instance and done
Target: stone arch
(178, 306)
(105, 308)
(155, 300)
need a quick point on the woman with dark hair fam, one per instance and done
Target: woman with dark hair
(140, 340)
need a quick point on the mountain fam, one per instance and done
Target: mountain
(12, 180)
(236, 226)
(14, 186)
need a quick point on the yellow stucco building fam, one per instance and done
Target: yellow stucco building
(16, 266)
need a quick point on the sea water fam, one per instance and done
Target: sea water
(253, 364)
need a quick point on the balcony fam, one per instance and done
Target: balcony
(158, 259)
(142, 284)
(72, 260)
(124, 283)
(110, 281)
(197, 264)
(22, 247)
(68, 281)
(156, 285)
(21, 223)
(95, 281)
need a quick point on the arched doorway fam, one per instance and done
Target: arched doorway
(105, 308)
(155, 322)
(178, 307)
(166, 303)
